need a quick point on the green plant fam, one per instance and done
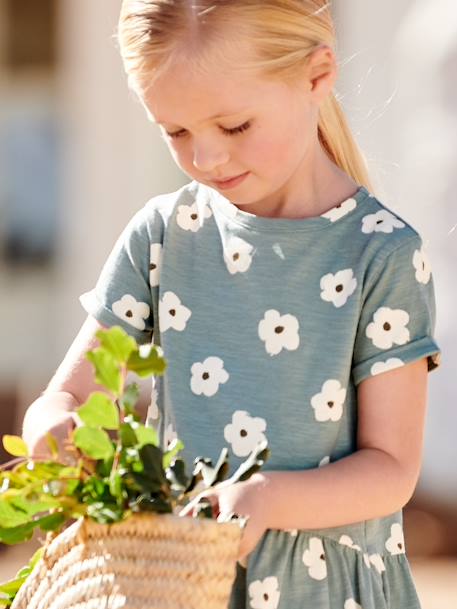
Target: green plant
(113, 465)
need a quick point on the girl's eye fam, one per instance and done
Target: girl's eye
(233, 131)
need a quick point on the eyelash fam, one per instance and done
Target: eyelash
(233, 131)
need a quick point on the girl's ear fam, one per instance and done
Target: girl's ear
(322, 73)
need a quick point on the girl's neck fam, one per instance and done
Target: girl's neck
(318, 185)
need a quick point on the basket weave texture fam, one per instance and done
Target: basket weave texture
(148, 561)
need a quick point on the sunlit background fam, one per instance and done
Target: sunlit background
(78, 158)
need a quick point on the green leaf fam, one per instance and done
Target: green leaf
(95, 443)
(146, 435)
(117, 342)
(176, 475)
(12, 586)
(174, 448)
(32, 507)
(15, 446)
(11, 517)
(154, 363)
(36, 557)
(107, 371)
(51, 522)
(130, 397)
(105, 513)
(18, 534)
(128, 436)
(115, 485)
(151, 457)
(99, 411)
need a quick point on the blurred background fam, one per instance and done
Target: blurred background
(78, 158)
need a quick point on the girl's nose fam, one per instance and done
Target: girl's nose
(208, 157)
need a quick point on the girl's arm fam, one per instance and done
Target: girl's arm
(378, 479)
(69, 387)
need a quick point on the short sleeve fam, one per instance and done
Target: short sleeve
(398, 314)
(122, 294)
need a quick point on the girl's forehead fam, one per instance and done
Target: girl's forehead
(181, 96)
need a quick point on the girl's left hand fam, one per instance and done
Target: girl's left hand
(243, 498)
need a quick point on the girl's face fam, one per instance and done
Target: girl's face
(222, 125)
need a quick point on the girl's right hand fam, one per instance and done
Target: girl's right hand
(52, 413)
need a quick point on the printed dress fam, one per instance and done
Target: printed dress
(269, 325)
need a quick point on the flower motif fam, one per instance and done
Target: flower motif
(153, 410)
(155, 264)
(264, 594)
(422, 265)
(244, 432)
(375, 560)
(324, 461)
(328, 404)
(351, 604)
(340, 210)
(207, 376)
(396, 542)
(132, 311)
(189, 218)
(172, 314)
(388, 328)
(345, 540)
(314, 559)
(169, 435)
(338, 287)
(238, 255)
(390, 364)
(279, 332)
(292, 532)
(381, 222)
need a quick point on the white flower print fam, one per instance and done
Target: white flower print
(207, 376)
(132, 311)
(338, 287)
(324, 461)
(169, 435)
(155, 264)
(381, 222)
(279, 332)
(328, 404)
(376, 561)
(388, 328)
(351, 604)
(340, 210)
(153, 409)
(292, 532)
(314, 559)
(345, 540)
(264, 594)
(172, 314)
(390, 364)
(396, 542)
(188, 217)
(238, 255)
(422, 265)
(244, 432)
(276, 247)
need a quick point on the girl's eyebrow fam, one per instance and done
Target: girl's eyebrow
(210, 118)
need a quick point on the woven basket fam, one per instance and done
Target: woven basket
(149, 561)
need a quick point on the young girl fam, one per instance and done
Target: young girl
(290, 303)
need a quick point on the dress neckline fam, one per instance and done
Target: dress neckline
(334, 215)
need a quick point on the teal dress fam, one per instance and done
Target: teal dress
(269, 325)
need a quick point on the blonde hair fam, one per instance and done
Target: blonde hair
(152, 34)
